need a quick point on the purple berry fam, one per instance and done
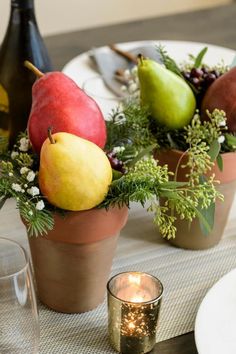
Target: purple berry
(196, 72)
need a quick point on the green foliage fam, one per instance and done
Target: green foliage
(129, 128)
(169, 63)
(38, 222)
(199, 139)
(18, 180)
(214, 150)
(203, 143)
(147, 182)
(230, 142)
(199, 57)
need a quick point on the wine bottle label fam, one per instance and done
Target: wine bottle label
(4, 101)
(4, 119)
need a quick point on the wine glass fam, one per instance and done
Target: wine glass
(19, 325)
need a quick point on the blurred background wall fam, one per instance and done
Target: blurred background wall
(55, 16)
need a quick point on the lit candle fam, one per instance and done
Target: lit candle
(134, 300)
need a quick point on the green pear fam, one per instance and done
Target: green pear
(168, 97)
(74, 173)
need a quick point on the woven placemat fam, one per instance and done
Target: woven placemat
(186, 276)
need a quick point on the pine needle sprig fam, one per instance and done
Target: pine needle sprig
(169, 62)
(129, 127)
(19, 180)
(38, 222)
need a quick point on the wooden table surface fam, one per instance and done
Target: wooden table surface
(216, 26)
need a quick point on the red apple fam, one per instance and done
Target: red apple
(222, 95)
(59, 103)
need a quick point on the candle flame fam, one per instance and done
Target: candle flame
(137, 299)
(135, 279)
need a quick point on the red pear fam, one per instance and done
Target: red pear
(222, 95)
(59, 103)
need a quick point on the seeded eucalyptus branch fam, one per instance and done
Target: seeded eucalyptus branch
(146, 182)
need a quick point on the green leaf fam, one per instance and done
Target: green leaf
(219, 161)
(202, 179)
(203, 219)
(230, 139)
(209, 216)
(233, 62)
(199, 58)
(116, 174)
(214, 150)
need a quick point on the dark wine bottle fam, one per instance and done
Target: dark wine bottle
(22, 42)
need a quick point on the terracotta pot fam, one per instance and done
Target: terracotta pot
(189, 235)
(72, 262)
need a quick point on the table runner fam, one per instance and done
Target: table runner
(186, 276)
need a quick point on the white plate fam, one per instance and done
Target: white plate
(215, 325)
(80, 68)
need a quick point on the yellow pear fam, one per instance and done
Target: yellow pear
(74, 173)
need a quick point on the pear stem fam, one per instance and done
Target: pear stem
(33, 68)
(140, 57)
(52, 141)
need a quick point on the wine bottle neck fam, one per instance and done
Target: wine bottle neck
(22, 4)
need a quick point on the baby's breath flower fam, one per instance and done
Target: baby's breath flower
(133, 87)
(222, 123)
(14, 154)
(40, 205)
(126, 74)
(30, 212)
(23, 170)
(33, 191)
(16, 187)
(24, 144)
(31, 176)
(10, 174)
(221, 139)
(118, 149)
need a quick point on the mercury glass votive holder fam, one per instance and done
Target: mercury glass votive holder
(134, 300)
